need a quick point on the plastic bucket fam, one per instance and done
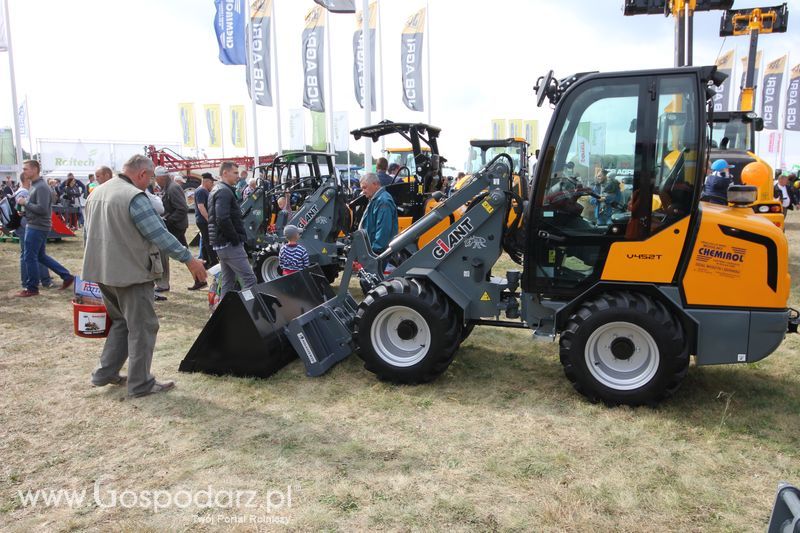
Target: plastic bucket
(90, 319)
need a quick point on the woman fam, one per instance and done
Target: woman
(71, 199)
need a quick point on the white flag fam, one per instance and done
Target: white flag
(341, 132)
(22, 118)
(3, 36)
(297, 131)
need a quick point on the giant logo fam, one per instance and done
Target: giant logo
(444, 245)
(305, 219)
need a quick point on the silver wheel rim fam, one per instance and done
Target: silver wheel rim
(622, 374)
(269, 268)
(388, 343)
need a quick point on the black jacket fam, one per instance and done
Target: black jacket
(176, 210)
(225, 224)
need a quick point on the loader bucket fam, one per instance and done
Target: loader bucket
(245, 336)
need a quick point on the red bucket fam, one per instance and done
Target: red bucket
(90, 318)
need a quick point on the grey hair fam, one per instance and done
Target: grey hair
(369, 177)
(136, 163)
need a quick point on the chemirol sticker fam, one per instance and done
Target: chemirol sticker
(91, 323)
(720, 259)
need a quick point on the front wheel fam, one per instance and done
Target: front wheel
(624, 348)
(266, 265)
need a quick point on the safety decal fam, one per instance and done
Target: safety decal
(485, 297)
(486, 205)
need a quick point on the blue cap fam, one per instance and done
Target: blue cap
(720, 164)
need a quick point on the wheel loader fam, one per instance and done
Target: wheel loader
(629, 301)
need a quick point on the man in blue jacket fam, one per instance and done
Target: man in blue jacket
(715, 189)
(380, 218)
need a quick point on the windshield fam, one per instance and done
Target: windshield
(732, 135)
(399, 160)
(479, 156)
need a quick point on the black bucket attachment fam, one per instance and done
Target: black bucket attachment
(786, 511)
(246, 337)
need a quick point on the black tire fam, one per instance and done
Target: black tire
(331, 272)
(265, 264)
(466, 330)
(645, 360)
(406, 311)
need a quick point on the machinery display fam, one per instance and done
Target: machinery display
(630, 300)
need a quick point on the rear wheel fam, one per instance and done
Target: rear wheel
(266, 265)
(624, 348)
(406, 331)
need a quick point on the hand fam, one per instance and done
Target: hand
(22, 201)
(198, 269)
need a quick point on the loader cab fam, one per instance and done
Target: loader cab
(645, 124)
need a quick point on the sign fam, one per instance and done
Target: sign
(771, 93)
(358, 57)
(229, 28)
(793, 100)
(411, 61)
(84, 157)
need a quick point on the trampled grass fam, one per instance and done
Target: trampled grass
(501, 441)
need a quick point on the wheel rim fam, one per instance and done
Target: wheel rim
(269, 268)
(622, 356)
(401, 336)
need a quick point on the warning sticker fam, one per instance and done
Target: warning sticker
(485, 297)
(720, 259)
(486, 205)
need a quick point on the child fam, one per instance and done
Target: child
(293, 256)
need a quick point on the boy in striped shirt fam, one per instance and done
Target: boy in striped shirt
(293, 256)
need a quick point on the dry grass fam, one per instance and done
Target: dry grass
(499, 442)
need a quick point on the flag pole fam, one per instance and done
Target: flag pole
(329, 103)
(379, 33)
(367, 84)
(787, 71)
(17, 140)
(252, 80)
(428, 54)
(277, 90)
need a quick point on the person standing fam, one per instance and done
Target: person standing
(207, 253)
(176, 217)
(226, 231)
(380, 217)
(715, 189)
(39, 212)
(44, 272)
(381, 166)
(103, 174)
(124, 240)
(781, 192)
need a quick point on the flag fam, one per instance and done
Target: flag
(319, 137)
(214, 125)
(259, 53)
(237, 126)
(338, 6)
(313, 53)
(411, 61)
(532, 133)
(722, 97)
(744, 77)
(771, 93)
(297, 131)
(3, 35)
(341, 132)
(358, 56)
(499, 128)
(22, 117)
(188, 125)
(584, 147)
(793, 100)
(515, 127)
(229, 29)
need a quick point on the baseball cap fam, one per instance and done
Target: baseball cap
(209, 176)
(290, 231)
(720, 164)
(161, 171)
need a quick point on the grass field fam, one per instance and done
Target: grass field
(500, 442)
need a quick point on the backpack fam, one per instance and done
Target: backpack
(9, 216)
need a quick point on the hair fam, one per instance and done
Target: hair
(381, 163)
(227, 165)
(369, 177)
(34, 163)
(207, 176)
(136, 163)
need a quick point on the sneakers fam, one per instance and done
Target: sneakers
(157, 387)
(197, 286)
(118, 380)
(157, 297)
(26, 294)
(67, 283)
(50, 285)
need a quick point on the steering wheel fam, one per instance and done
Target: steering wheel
(397, 174)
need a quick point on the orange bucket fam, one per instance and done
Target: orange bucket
(90, 318)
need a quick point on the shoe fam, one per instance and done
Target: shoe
(67, 283)
(50, 285)
(26, 294)
(157, 387)
(119, 380)
(159, 298)
(197, 286)
(162, 289)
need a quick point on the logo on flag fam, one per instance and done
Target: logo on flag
(214, 125)
(358, 57)
(313, 54)
(188, 127)
(771, 93)
(259, 53)
(793, 100)
(723, 96)
(411, 61)
(237, 126)
(229, 28)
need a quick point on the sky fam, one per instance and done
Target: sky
(115, 70)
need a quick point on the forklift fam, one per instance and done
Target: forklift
(629, 302)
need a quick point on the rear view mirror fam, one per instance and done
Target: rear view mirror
(758, 123)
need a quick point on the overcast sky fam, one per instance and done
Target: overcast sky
(117, 69)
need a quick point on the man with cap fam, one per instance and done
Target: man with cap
(201, 220)
(715, 189)
(176, 217)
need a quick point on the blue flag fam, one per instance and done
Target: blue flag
(229, 27)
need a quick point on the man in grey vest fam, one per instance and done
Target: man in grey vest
(124, 242)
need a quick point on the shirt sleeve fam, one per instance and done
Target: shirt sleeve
(152, 228)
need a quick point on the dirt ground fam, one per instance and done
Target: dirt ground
(500, 442)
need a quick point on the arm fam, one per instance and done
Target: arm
(36, 202)
(202, 209)
(152, 228)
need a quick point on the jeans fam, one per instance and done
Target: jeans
(35, 253)
(207, 253)
(233, 262)
(44, 272)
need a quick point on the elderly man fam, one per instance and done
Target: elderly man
(226, 231)
(380, 217)
(176, 217)
(103, 174)
(124, 240)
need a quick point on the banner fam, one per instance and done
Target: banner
(583, 144)
(341, 132)
(774, 143)
(297, 130)
(8, 155)
(319, 137)
(83, 158)
(229, 28)
(3, 35)
(238, 126)
(722, 98)
(22, 118)
(793, 100)
(214, 125)
(532, 134)
(771, 93)
(411, 61)
(516, 127)
(358, 56)
(259, 53)
(744, 77)
(313, 55)
(338, 6)
(499, 128)
(188, 127)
